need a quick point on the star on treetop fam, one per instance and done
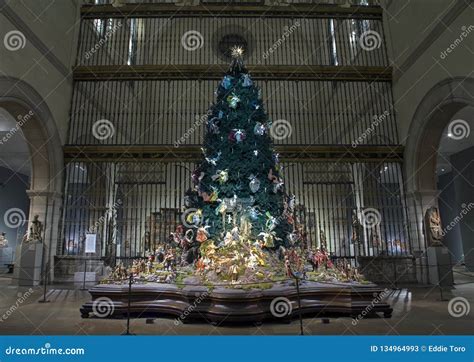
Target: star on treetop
(237, 51)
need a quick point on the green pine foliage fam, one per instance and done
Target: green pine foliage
(238, 111)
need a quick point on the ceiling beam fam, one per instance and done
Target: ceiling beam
(306, 72)
(191, 153)
(257, 11)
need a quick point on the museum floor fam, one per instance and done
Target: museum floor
(417, 310)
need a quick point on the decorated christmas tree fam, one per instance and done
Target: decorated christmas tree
(238, 206)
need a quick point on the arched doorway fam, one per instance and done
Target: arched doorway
(34, 122)
(433, 116)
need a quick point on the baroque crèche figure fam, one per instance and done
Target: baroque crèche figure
(3, 240)
(36, 231)
(433, 230)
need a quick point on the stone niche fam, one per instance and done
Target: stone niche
(388, 270)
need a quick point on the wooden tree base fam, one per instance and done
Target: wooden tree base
(229, 305)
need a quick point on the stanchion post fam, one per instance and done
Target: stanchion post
(45, 269)
(84, 279)
(127, 333)
(299, 305)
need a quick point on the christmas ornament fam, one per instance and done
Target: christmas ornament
(233, 100)
(212, 197)
(197, 176)
(272, 177)
(276, 158)
(267, 238)
(246, 80)
(220, 115)
(213, 125)
(255, 104)
(221, 209)
(271, 222)
(213, 161)
(221, 176)
(231, 202)
(254, 213)
(278, 186)
(292, 238)
(227, 82)
(255, 152)
(194, 218)
(254, 183)
(259, 129)
(202, 234)
(237, 135)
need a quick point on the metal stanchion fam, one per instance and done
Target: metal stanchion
(299, 304)
(127, 332)
(84, 279)
(45, 279)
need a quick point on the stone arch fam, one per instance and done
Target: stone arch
(37, 124)
(431, 117)
(433, 114)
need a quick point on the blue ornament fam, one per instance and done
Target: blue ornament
(246, 80)
(259, 129)
(227, 82)
(221, 114)
(255, 104)
(254, 213)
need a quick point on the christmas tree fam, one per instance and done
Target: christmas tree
(239, 212)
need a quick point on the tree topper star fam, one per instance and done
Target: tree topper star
(237, 51)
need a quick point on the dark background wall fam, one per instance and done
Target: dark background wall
(457, 193)
(13, 195)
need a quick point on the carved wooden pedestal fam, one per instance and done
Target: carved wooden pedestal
(226, 305)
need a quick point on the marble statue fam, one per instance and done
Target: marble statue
(36, 231)
(3, 240)
(356, 228)
(433, 230)
(322, 240)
